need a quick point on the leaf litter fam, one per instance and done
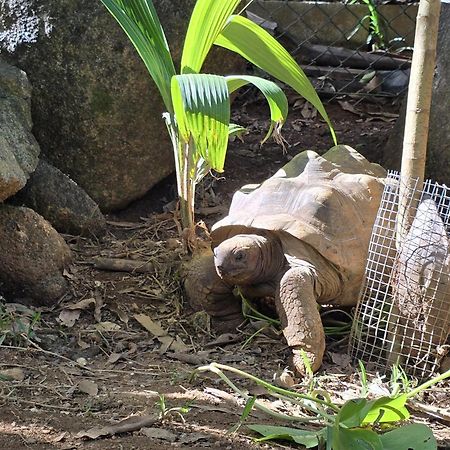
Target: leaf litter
(112, 365)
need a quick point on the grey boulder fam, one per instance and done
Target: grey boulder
(96, 113)
(62, 202)
(19, 150)
(32, 257)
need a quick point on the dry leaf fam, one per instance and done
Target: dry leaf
(150, 325)
(16, 374)
(346, 106)
(159, 433)
(195, 360)
(121, 314)
(68, 317)
(82, 304)
(193, 437)
(308, 111)
(224, 339)
(88, 387)
(107, 326)
(286, 379)
(341, 359)
(114, 357)
(130, 424)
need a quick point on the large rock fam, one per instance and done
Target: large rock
(32, 256)
(438, 156)
(97, 115)
(19, 150)
(61, 201)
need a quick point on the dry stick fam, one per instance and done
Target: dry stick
(123, 265)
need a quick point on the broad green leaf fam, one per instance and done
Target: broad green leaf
(355, 439)
(139, 20)
(307, 438)
(202, 109)
(410, 437)
(274, 95)
(249, 40)
(387, 409)
(353, 412)
(207, 21)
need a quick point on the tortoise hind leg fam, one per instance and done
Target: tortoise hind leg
(296, 303)
(207, 291)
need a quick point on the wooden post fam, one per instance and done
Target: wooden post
(418, 111)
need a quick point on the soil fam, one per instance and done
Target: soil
(120, 340)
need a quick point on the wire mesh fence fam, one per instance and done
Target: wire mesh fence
(361, 48)
(403, 315)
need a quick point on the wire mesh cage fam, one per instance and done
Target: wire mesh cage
(403, 314)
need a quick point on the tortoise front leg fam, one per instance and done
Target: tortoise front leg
(207, 291)
(296, 303)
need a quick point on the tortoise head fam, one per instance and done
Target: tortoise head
(247, 259)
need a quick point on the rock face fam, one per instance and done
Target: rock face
(438, 156)
(61, 201)
(96, 113)
(32, 256)
(19, 150)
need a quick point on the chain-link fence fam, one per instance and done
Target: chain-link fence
(361, 48)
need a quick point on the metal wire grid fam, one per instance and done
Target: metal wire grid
(353, 80)
(403, 315)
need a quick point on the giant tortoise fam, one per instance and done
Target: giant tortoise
(302, 237)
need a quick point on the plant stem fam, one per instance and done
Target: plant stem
(214, 366)
(428, 384)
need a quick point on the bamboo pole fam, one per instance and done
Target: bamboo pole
(418, 112)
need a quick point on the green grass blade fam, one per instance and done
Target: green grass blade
(139, 20)
(207, 21)
(275, 97)
(202, 110)
(249, 40)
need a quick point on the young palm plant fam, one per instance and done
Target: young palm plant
(198, 105)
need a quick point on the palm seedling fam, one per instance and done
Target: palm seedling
(198, 105)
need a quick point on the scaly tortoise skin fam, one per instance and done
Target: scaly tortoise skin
(302, 237)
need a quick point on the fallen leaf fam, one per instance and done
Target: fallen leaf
(107, 326)
(121, 314)
(151, 326)
(308, 111)
(16, 374)
(132, 423)
(88, 387)
(346, 106)
(285, 379)
(341, 359)
(224, 339)
(195, 360)
(98, 306)
(193, 437)
(68, 317)
(114, 357)
(82, 304)
(159, 433)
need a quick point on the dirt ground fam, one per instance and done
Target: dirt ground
(120, 340)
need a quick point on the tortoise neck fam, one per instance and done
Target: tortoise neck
(272, 259)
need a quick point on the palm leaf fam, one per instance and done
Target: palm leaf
(139, 20)
(207, 21)
(275, 97)
(249, 40)
(202, 110)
